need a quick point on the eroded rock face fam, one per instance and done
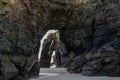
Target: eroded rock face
(85, 27)
(7, 68)
(18, 67)
(104, 61)
(103, 57)
(16, 61)
(99, 61)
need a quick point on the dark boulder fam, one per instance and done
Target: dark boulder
(8, 69)
(18, 67)
(77, 64)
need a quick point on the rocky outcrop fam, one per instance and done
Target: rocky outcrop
(18, 67)
(18, 58)
(88, 28)
(103, 57)
(104, 61)
(8, 69)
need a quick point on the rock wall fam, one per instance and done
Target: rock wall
(103, 57)
(86, 26)
(18, 67)
(18, 57)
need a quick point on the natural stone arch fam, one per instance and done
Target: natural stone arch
(52, 36)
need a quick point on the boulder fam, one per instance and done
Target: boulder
(18, 67)
(32, 66)
(8, 69)
(77, 64)
(98, 62)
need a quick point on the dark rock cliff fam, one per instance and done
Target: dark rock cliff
(90, 30)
